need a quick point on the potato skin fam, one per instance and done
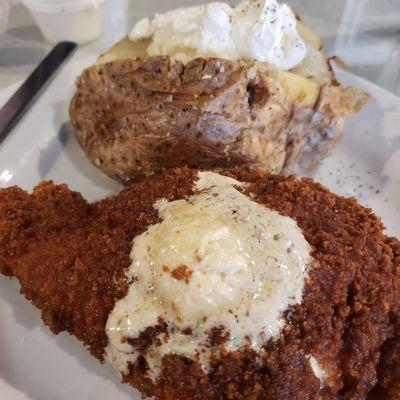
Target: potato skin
(137, 117)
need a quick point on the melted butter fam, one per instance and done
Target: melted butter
(217, 259)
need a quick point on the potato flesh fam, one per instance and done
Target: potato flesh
(301, 91)
(125, 49)
(309, 36)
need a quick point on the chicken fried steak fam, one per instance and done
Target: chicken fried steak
(336, 338)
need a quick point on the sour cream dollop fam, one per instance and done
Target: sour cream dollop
(217, 260)
(261, 30)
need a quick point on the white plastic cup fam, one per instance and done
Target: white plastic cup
(79, 21)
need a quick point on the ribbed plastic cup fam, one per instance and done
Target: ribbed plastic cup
(79, 21)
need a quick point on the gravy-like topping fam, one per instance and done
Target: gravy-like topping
(217, 260)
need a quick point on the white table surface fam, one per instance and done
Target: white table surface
(365, 33)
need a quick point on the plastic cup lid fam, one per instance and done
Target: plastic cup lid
(60, 6)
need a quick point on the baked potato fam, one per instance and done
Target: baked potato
(135, 115)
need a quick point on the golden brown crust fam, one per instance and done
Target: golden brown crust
(70, 258)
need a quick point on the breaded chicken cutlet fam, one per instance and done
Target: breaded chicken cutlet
(341, 341)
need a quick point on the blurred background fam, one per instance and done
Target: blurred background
(364, 33)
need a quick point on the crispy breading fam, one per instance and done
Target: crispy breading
(70, 258)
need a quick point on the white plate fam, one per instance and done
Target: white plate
(34, 364)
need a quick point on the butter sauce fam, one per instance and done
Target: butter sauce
(217, 259)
